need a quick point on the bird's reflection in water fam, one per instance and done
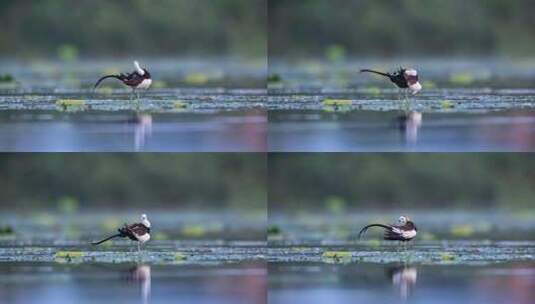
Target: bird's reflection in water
(404, 279)
(142, 129)
(409, 124)
(140, 276)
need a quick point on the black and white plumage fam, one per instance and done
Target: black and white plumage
(138, 232)
(404, 231)
(140, 78)
(403, 78)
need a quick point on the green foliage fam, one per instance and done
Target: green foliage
(68, 205)
(273, 230)
(401, 28)
(67, 53)
(115, 28)
(274, 78)
(307, 182)
(6, 78)
(6, 229)
(335, 204)
(71, 182)
(335, 53)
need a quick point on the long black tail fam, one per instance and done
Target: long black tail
(105, 77)
(373, 225)
(375, 72)
(107, 239)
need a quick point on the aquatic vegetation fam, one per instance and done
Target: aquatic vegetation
(68, 52)
(462, 78)
(193, 230)
(429, 85)
(337, 102)
(273, 230)
(274, 78)
(160, 236)
(337, 257)
(427, 236)
(68, 256)
(159, 84)
(104, 89)
(5, 78)
(179, 256)
(372, 90)
(448, 256)
(464, 230)
(179, 104)
(447, 104)
(68, 205)
(335, 205)
(71, 104)
(197, 78)
(335, 53)
(372, 242)
(6, 229)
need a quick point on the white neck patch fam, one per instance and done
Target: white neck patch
(138, 68)
(411, 72)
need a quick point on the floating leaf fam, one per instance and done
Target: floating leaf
(337, 102)
(336, 257)
(68, 256)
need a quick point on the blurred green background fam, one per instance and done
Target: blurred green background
(98, 28)
(200, 182)
(338, 182)
(335, 29)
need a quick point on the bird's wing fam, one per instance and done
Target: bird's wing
(133, 79)
(138, 229)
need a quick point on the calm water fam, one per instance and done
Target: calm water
(132, 283)
(411, 131)
(130, 131)
(401, 283)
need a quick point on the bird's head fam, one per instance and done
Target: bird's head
(145, 221)
(402, 220)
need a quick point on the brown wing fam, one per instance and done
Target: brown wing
(392, 235)
(133, 79)
(138, 229)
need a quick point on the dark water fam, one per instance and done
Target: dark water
(401, 283)
(132, 283)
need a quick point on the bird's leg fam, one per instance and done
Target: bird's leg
(138, 247)
(406, 102)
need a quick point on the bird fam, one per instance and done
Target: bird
(138, 232)
(403, 79)
(140, 78)
(404, 231)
